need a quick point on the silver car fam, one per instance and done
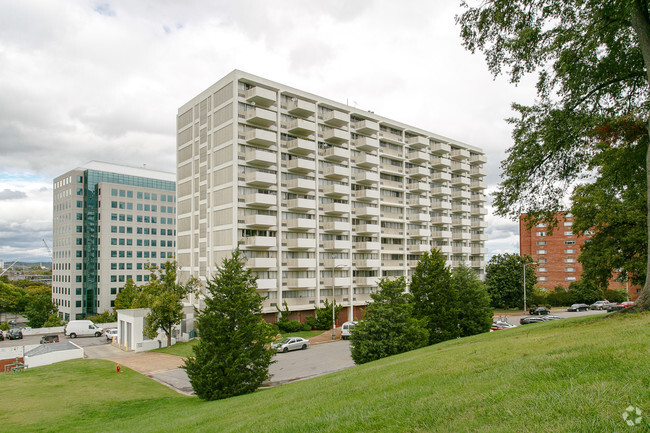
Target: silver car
(291, 343)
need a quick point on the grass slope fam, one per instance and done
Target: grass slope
(573, 375)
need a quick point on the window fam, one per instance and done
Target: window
(78, 304)
(568, 223)
(78, 278)
(568, 233)
(541, 242)
(569, 260)
(542, 278)
(541, 269)
(541, 251)
(569, 242)
(569, 269)
(541, 261)
(570, 279)
(569, 251)
(78, 291)
(540, 234)
(540, 225)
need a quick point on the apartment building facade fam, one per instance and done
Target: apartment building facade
(324, 198)
(109, 222)
(556, 254)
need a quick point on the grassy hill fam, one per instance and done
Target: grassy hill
(572, 375)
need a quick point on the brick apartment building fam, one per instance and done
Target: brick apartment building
(556, 254)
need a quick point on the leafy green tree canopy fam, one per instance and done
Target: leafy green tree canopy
(233, 355)
(475, 314)
(504, 279)
(388, 326)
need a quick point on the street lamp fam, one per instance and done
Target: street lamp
(334, 302)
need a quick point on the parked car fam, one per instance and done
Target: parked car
(550, 317)
(346, 329)
(501, 324)
(291, 343)
(46, 339)
(627, 304)
(600, 305)
(80, 328)
(530, 319)
(615, 307)
(540, 311)
(14, 334)
(2, 335)
(578, 307)
(111, 333)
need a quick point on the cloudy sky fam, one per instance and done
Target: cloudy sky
(92, 80)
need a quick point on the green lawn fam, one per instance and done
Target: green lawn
(570, 375)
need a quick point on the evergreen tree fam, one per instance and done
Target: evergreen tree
(435, 299)
(475, 315)
(504, 279)
(388, 326)
(232, 356)
(128, 296)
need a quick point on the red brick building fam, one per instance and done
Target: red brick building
(556, 254)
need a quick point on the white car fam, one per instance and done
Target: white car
(291, 343)
(111, 334)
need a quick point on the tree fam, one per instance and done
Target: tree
(504, 279)
(323, 319)
(388, 326)
(434, 297)
(612, 209)
(129, 296)
(12, 299)
(592, 60)
(39, 305)
(233, 354)
(475, 314)
(585, 291)
(163, 295)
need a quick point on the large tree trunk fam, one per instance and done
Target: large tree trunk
(641, 25)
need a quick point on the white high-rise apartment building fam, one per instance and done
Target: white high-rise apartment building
(323, 197)
(110, 221)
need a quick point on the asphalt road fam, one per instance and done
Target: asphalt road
(36, 339)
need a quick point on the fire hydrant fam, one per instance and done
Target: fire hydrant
(118, 368)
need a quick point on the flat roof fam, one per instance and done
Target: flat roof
(128, 170)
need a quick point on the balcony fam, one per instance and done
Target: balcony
(301, 263)
(260, 241)
(461, 195)
(445, 249)
(337, 244)
(441, 234)
(417, 187)
(367, 195)
(260, 137)
(301, 224)
(417, 202)
(418, 142)
(366, 177)
(440, 162)
(301, 127)
(459, 181)
(418, 157)
(479, 237)
(302, 166)
(366, 211)
(392, 263)
(260, 96)
(479, 211)
(440, 191)
(477, 172)
(336, 208)
(418, 217)
(260, 200)
(460, 250)
(367, 229)
(476, 251)
(260, 117)
(366, 144)
(441, 219)
(366, 160)
(301, 108)
(477, 184)
(417, 171)
(459, 154)
(336, 154)
(391, 138)
(367, 127)
(336, 172)
(478, 264)
(301, 282)
(260, 221)
(478, 225)
(336, 136)
(260, 158)
(367, 281)
(367, 246)
(477, 197)
(440, 205)
(366, 264)
(335, 118)
(267, 283)
(459, 167)
(301, 185)
(440, 148)
(260, 178)
(462, 236)
(261, 262)
(460, 208)
(301, 204)
(333, 263)
(301, 243)
(477, 159)
(336, 226)
(441, 177)
(419, 248)
(336, 190)
(338, 281)
(418, 233)
(300, 146)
